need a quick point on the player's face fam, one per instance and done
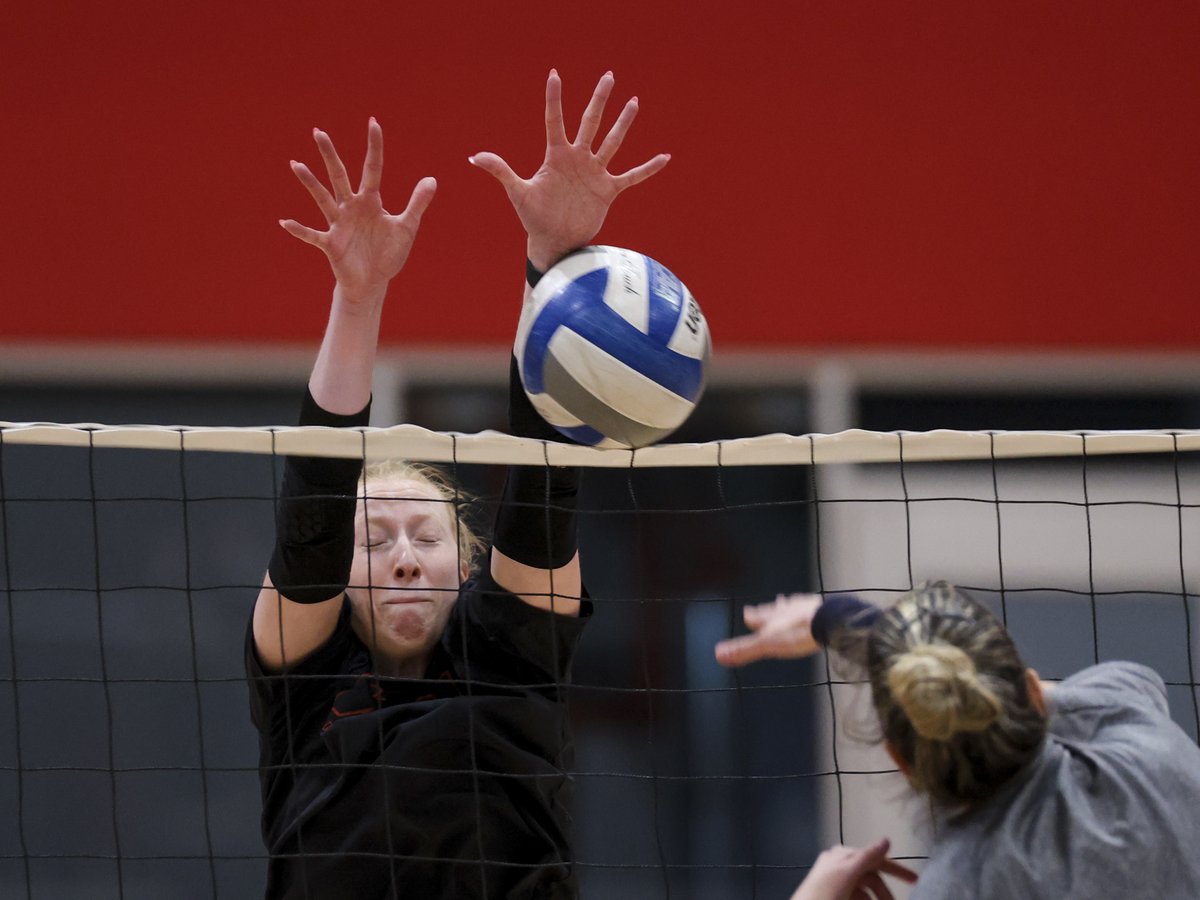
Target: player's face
(406, 570)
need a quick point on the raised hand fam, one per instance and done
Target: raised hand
(853, 873)
(780, 630)
(565, 202)
(365, 244)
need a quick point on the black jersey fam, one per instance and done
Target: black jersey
(452, 786)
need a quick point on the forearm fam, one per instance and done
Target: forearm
(314, 546)
(535, 524)
(314, 525)
(342, 375)
(535, 548)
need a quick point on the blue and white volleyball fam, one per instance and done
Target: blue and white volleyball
(612, 348)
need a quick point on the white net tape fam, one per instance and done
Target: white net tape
(413, 442)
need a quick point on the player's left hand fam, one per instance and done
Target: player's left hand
(565, 202)
(780, 630)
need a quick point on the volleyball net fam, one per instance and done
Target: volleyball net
(130, 558)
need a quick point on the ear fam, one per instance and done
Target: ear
(901, 763)
(464, 571)
(1037, 696)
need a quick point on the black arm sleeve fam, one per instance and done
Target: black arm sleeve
(840, 611)
(314, 521)
(535, 524)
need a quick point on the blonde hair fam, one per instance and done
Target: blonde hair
(470, 546)
(939, 689)
(950, 691)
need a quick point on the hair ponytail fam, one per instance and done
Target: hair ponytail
(950, 692)
(940, 691)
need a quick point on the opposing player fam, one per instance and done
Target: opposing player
(413, 739)
(1087, 790)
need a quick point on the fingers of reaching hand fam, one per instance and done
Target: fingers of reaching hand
(338, 178)
(316, 190)
(612, 141)
(589, 125)
(640, 173)
(897, 870)
(874, 888)
(755, 616)
(556, 133)
(745, 649)
(421, 197)
(372, 173)
(303, 232)
(497, 168)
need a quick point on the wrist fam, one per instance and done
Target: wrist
(544, 254)
(360, 299)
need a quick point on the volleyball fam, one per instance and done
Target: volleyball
(612, 348)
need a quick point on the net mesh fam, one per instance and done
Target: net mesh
(131, 558)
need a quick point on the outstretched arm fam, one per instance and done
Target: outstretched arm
(779, 630)
(562, 207)
(794, 625)
(366, 246)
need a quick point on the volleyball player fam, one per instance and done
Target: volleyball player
(413, 738)
(1087, 790)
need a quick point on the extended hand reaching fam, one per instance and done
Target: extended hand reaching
(781, 630)
(853, 873)
(365, 244)
(565, 202)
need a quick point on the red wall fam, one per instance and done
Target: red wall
(937, 173)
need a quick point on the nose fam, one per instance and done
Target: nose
(405, 566)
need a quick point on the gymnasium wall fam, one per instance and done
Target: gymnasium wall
(845, 174)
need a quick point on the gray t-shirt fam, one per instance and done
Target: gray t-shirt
(1111, 808)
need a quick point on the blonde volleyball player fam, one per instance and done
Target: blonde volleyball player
(1088, 790)
(413, 739)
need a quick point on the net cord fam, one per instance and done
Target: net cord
(12, 660)
(108, 705)
(1183, 590)
(191, 618)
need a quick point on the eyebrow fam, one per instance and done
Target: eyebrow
(420, 518)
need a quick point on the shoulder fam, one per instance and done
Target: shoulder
(1114, 685)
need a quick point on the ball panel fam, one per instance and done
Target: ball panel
(664, 295)
(614, 399)
(572, 301)
(691, 337)
(581, 402)
(598, 325)
(626, 293)
(568, 424)
(611, 381)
